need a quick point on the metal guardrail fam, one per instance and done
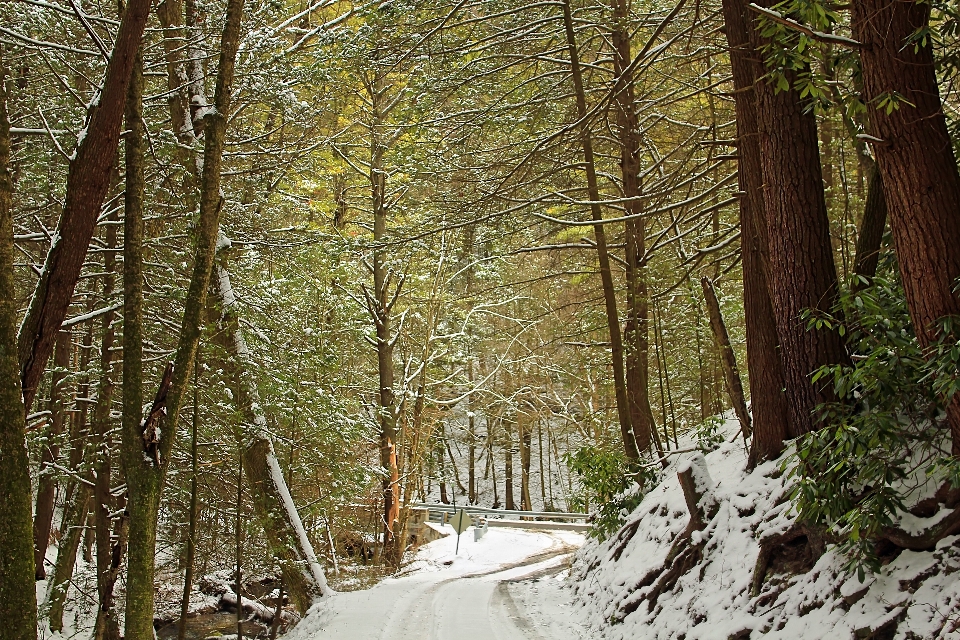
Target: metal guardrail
(546, 515)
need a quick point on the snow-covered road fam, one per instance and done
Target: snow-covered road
(478, 594)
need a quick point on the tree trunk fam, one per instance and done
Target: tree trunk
(770, 411)
(524, 435)
(146, 455)
(109, 627)
(472, 435)
(192, 515)
(636, 328)
(46, 484)
(801, 272)
(88, 180)
(919, 171)
(508, 465)
(272, 501)
(874, 222)
(74, 521)
(103, 503)
(17, 590)
(380, 306)
(728, 359)
(606, 276)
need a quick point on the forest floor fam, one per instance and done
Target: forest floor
(506, 586)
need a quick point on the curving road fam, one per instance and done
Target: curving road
(466, 599)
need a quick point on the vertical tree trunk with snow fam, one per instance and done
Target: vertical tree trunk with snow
(380, 306)
(17, 591)
(524, 437)
(915, 155)
(103, 503)
(74, 519)
(272, 502)
(147, 448)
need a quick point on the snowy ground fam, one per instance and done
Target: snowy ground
(914, 597)
(509, 585)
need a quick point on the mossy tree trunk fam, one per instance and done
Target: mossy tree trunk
(146, 449)
(17, 591)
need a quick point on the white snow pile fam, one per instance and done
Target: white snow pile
(625, 591)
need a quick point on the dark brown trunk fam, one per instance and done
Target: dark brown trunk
(636, 328)
(874, 222)
(916, 160)
(88, 180)
(769, 407)
(46, 484)
(524, 435)
(801, 274)
(603, 257)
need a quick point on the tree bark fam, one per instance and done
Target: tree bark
(88, 180)
(770, 411)
(636, 328)
(874, 222)
(146, 456)
(510, 504)
(728, 359)
(380, 306)
(192, 515)
(801, 273)
(606, 277)
(272, 502)
(103, 503)
(915, 155)
(46, 484)
(524, 434)
(17, 590)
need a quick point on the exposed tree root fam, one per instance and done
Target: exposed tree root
(684, 553)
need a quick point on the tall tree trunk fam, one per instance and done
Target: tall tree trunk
(472, 435)
(272, 502)
(801, 273)
(508, 464)
(636, 328)
(920, 178)
(146, 450)
(606, 276)
(88, 180)
(524, 435)
(770, 411)
(103, 503)
(46, 484)
(380, 307)
(17, 591)
(192, 515)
